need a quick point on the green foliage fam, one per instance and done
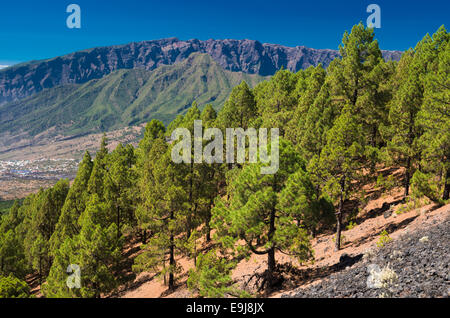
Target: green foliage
(96, 250)
(418, 123)
(351, 225)
(386, 184)
(164, 211)
(12, 255)
(74, 205)
(302, 201)
(434, 117)
(423, 185)
(340, 160)
(255, 215)
(238, 109)
(12, 287)
(384, 239)
(119, 187)
(276, 100)
(356, 79)
(153, 130)
(44, 215)
(211, 277)
(6, 205)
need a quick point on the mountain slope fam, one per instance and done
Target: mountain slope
(246, 56)
(122, 98)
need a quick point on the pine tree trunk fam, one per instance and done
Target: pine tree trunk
(171, 264)
(208, 227)
(208, 221)
(339, 216)
(171, 257)
(271, 264)
(118, 222)
(271, 253)
(446, 194)
(407, 176)
(40, 270)
(195, 255)
(144, 237)
(374, 136)
(164, 268)
(191, 185)
(408, 162)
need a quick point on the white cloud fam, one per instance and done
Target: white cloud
(3, 66)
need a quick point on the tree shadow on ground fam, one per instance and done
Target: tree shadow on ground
(288, 276)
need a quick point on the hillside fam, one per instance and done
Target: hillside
(246, 56)
(422, 266)
(121, 99)
(414, 264)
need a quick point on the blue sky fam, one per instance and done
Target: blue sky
(31, 29)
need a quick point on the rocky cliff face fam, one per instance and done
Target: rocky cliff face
(247, 56)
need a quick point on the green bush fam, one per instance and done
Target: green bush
(351, 225)
(386, 184)
(12, 287)
(384, 239)
(422, 185)
(212, 277)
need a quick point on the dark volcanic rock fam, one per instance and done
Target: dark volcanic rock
(247, 56)
(419, 259)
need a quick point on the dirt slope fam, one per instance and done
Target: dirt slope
(380, 214)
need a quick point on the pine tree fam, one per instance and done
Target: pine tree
(96, 180)
(301, 200)
(208, 116)
(253, 213)
(164, 211)
(12, 287)
(277, 102)
(212, 276)
(355, 79)
(56, 283)
(12, 252)
(46, 210)
(313, 85)
(12, 255)
(434, 116)
(153, 130)
(239, 109)
(119, 187)
(316, 123)
(95, 250)
(144, 169)
(402, 116)
(190, 172)
(340, 162)
(210, 176)
(74, 205)
(99, 252)
(404, 133)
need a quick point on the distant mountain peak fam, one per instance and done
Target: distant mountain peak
(248, 56)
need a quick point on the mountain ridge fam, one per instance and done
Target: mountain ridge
(248, 56)
(125, 97)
